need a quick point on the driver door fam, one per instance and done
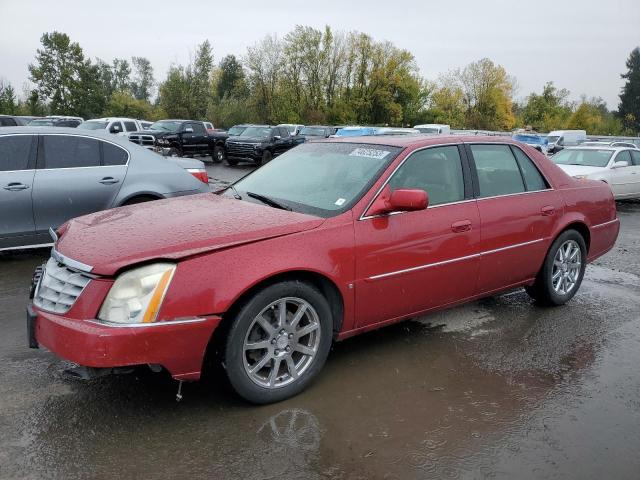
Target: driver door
(409, 262)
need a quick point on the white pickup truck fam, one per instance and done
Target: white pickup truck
(115, 125)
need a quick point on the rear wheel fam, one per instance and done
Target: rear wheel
(218, 154)
(279, 342)
(562, 271)
(232, 162)
(140, 199)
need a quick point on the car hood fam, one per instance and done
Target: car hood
(247, 139)
(574, 170)
(173, 229)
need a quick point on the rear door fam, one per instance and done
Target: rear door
(17, 163)
(518, 211)
(634, 187)
(622, 179)
(74, 179)
(409, 262)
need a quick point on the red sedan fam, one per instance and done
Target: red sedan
(329, 240)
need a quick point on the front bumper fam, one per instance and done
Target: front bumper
(179, 346)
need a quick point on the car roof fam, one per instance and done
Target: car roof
(417, 141)
(598, 147)
(34, 130)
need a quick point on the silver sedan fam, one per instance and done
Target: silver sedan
(49, 175)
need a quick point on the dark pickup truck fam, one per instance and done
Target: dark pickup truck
(182, 138)
(258, 143)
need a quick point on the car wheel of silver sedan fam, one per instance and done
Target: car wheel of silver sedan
(562, 270)
(279, 342)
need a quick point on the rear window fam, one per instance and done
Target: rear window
(130, 126)
(67, 151)
(498, 172)
(113, 155)
(532, 177)
(14, 152)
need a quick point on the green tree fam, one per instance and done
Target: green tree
(142, 83)
(174, 95)
(629, 107)
(8, 102)
(231, 78)
(593, 116)
(121, 80)
(56, 71)
(548, 111)
(199, 77)
(122, 104)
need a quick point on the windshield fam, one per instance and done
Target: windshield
(166, 126)
(529, 139)
(237, 130)
(354, 132)
(322, 179)
(428, 130)
(587, 158)
(553, 138)
(313, 132)
(256, 132)
(41, 122)
(92, 125)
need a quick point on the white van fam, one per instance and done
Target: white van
(434, 128)
(117, 126)
(558, 139)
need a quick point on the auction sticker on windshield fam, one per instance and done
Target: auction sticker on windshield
(369, 153)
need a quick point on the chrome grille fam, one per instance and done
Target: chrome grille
(142, 139)
(59, 287)
(239, 149)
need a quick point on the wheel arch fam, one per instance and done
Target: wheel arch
(149, 195)
(579, 226)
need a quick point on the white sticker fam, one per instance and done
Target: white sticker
(369, 153)
(340, 201)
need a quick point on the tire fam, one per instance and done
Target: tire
(141, 199)
(262, 350)
(232, 162)
(557, 284)
(175, 152)
(218, 154)
(267, 156)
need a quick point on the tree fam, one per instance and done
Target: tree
(199, 76)
(122, 104)
(174, 96)
(593, 116)
(548, 111)
(231, 78)
(142, 83)
(121, 80)
(56, 71)
(629, 107)
(8, 102)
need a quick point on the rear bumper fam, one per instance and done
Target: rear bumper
(179, 346)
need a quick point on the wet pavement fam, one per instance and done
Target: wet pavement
(499, 388)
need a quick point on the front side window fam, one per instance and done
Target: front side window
(498, 172)
(533, 179)
(624, 156)
(14, 152)
(68, 151)
(130, 126)
(437, 171)
(284, 133)
(198, 128)
(7, 122)
(116, 127)
(322, 179)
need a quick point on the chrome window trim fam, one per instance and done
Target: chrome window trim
(70, 262)
(514, 194)
(149, 324)
(367, 217)
(453, 260)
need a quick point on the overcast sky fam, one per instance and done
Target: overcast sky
(581, 45)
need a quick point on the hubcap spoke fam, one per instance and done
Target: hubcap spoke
(291, 366)
(257, 345)
(282, 313)
(306, 330)
(304, 350)
(274, 371)
(296, 318)
(266, 326)
(566, 269)
(260, 365)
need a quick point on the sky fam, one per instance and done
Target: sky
(580, 45)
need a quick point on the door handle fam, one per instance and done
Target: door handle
(109, 181)
(547, 211)
(461, 226)
(15, 186)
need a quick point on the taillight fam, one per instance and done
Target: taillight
(200, 174)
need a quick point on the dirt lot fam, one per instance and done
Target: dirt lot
(498, 388)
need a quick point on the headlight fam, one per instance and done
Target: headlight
(136, 295)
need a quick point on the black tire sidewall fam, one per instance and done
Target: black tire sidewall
(232, 162)
(267, 156)
(214, 155)
(233, 354)
(545, 285)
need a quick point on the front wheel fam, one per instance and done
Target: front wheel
(175, 152)
(562, 270)
(266, 157)
(218, 154)
(279, 342)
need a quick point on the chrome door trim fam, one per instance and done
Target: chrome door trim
(600, 225)
(452, 260)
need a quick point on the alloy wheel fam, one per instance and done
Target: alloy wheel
(566, 267)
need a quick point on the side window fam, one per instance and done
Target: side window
(7, 122)
(198, 128)
(68, 151)
(624, 156)
(284, 133)
(14, 152)
(130, 126)
(116, 127)
(437, 171)
(113, 155)
(635, 158)
(498, 172)
(532, 178)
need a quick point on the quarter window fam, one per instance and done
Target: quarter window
(532, 178)
(112, 155)
(437, 171)
(14, 152)
(62, 151)
(498, 172)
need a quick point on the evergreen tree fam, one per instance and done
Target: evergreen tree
(629, 108)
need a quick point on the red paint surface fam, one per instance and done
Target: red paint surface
(225, 247)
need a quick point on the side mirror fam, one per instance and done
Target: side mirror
(401, 200)
(188, 130)
(620, 164)
(115, 129)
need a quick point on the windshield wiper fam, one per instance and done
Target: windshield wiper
(268, 201)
